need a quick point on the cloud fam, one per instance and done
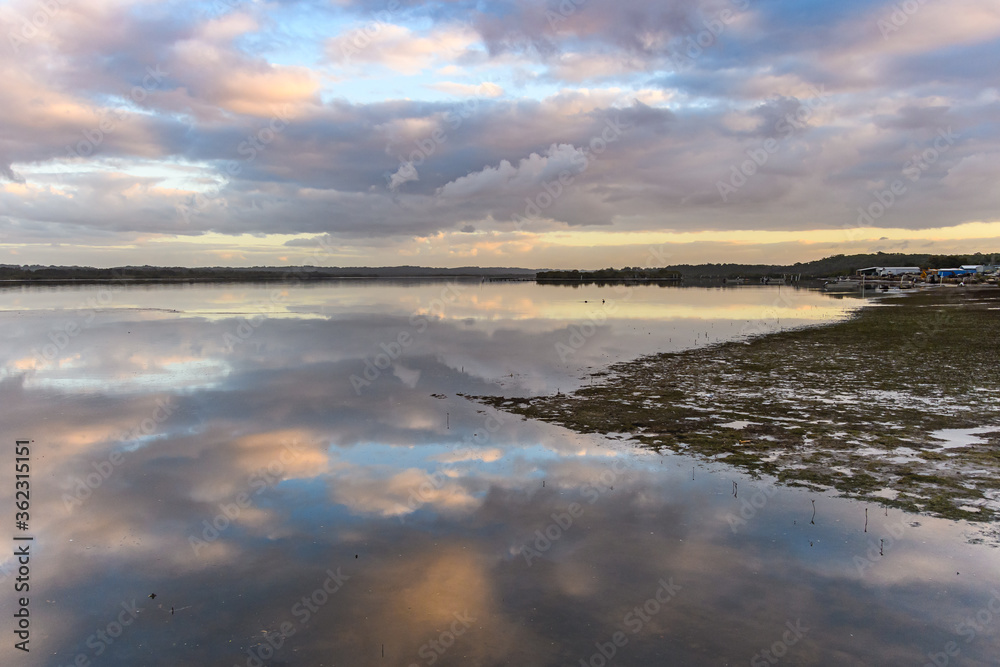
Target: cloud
(399, 48)
(389, 139)
(406, 173)
(531, 172)
(9, 174)
(486, 89)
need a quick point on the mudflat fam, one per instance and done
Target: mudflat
(900, 403)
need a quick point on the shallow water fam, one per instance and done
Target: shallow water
(293, 471)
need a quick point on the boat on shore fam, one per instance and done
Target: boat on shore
(862, 284)
(846, 285)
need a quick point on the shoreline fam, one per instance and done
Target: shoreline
(878, 406)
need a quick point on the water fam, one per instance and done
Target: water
(293, 471)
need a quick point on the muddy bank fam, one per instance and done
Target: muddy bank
(898, 404)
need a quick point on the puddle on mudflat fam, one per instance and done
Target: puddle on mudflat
(962, 437)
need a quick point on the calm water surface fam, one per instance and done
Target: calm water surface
(293, 471)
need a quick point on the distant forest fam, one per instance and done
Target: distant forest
(627, 273)
(836, 265)
(247, 274)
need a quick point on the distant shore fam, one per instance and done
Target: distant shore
(651, 271)
(153, 275)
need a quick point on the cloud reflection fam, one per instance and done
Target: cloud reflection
(327, 476)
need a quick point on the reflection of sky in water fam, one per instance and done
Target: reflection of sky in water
(151, 425)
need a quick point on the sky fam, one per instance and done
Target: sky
(539, 134)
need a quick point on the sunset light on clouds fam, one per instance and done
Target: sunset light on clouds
(562, 134)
